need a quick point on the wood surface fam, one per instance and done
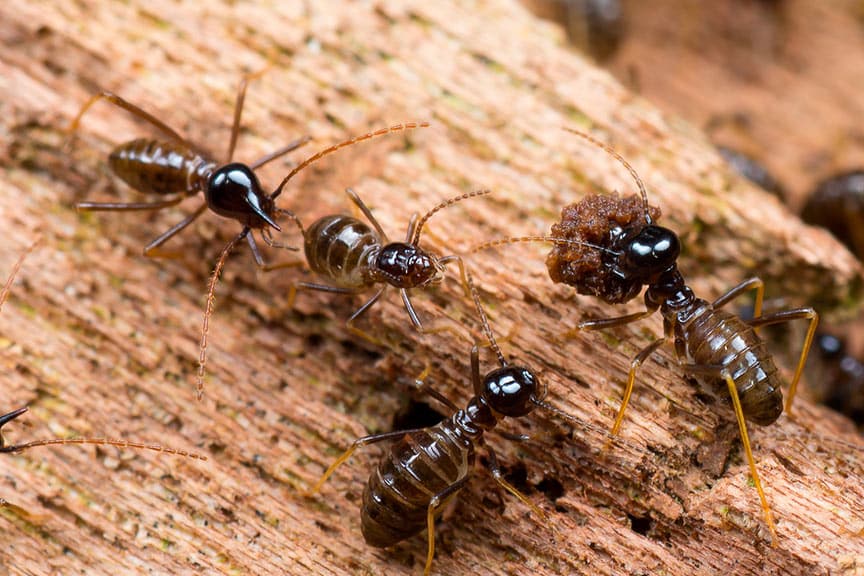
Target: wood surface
(99, 340)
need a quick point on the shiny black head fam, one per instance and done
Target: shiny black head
(511, 390)
(407, 266)
(234, 192)
(648, 252)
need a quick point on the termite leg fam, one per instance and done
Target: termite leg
(152, 249)
(745, 439)
(366, 212)
(364, 441)
(129, 107)
(603, 323)
(785, 316)
(754, 283)
(631, 379)
(349, 324)
(435, 505)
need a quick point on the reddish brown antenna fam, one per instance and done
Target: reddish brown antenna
(340, 145)
(624, 162)
(119, 443)
(7, 288)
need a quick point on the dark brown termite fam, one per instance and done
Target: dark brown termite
(838, 205)
(232, 190)
(178, 168)
(838, 378)
(426, 467)
(355, 258)
(119, 443)
(752, 170)
(711, 344)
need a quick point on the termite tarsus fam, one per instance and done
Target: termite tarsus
(426, 467)
(710, 343)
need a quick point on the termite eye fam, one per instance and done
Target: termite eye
(510, 390)
(653, 250)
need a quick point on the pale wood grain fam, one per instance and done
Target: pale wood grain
(99, 340)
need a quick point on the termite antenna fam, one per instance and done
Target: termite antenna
(349, 142)
(552, 239)
(7, 288)
(119, 443)
(484, 319)
(418, 228)
(208, 310)
(621, 159)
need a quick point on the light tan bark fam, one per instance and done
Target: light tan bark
(99, 340)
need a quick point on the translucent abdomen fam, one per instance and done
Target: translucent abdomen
(160, 167)
(341, 248)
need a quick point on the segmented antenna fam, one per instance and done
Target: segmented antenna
(7, 288)
(553, 239)
(621, 159)
(484, 319)
(119, 443)
(349, 142)
(415, 240)
(208, 310)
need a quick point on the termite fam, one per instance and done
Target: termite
(231, 189)
(355, 258)
(712, 344)
(426, 467)
(837, 204)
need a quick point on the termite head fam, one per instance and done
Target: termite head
(235, 192)
(512, 390)
(646, 252)
(407, 266)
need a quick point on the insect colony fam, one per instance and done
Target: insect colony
(604, 245)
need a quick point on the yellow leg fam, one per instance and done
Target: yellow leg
(786, 316)
(631, 379)
(515, 492)
(808, 341)
(430, 531)
(339, 461)
(435, 504)
(745, 439)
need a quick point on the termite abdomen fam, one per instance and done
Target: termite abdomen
(160, 167)
(336, 247)
(395, 504)
(719, 335)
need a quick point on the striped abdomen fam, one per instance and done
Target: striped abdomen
(160, 167)
(416, 468)
(341, 248)
(716, 337)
